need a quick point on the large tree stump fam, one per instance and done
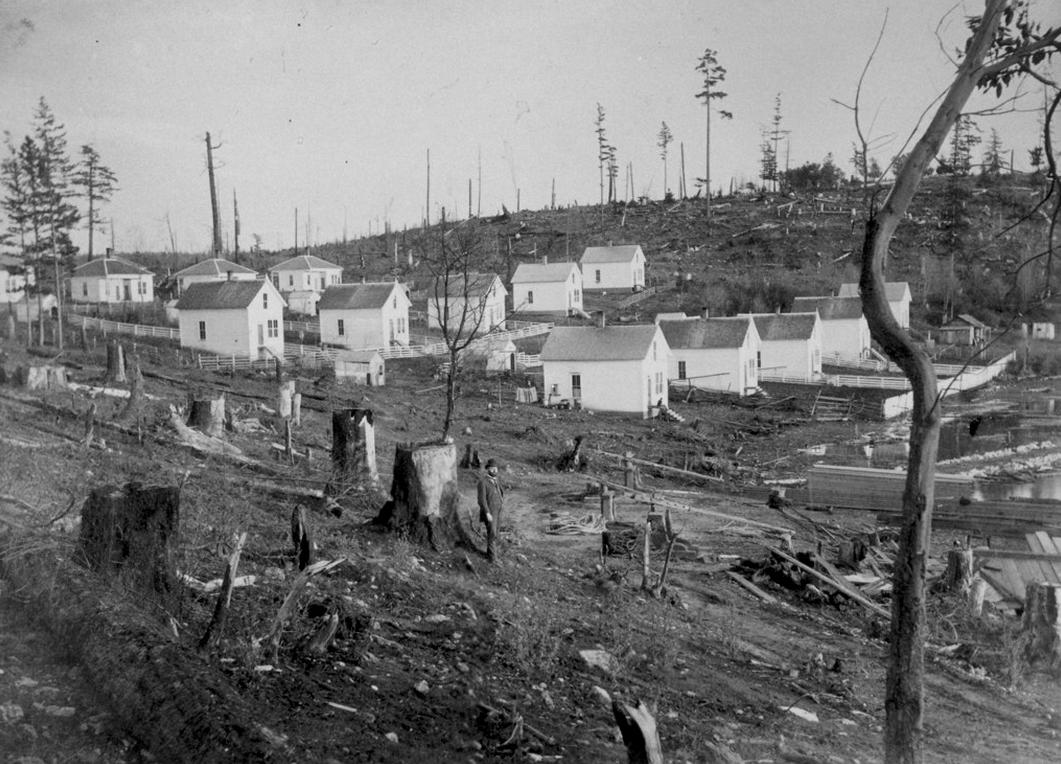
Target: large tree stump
(1040, 627)
(132, 533)
(135, 403)
(207, 414)
(42, 377)
(958, 577)
(354, 449)
(285, 394)
(424, 496)
(115, 362)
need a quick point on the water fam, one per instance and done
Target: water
(1026, 418)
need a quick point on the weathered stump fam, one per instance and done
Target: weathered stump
(1040, 628)
(296, 409)
(132, 533)
(135, 403)
(285, 394)
(958, 577)
(425, 499)
(115, 362)
(640, 736)
(354, 449)
(207, 414)
(12, 329)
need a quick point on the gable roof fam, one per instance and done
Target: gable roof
(593, 343)
(110, 266)
(894, 291)
(479, 285)
(222, 295)
(305, 263)
(964, 318)
(622, 253)
(777, 327)
(542, 272)
(367, 296)
(830, 308)
(706, 333)
(215, 266)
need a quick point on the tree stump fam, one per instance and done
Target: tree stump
(958, 577)
(296, 409)
(424, 496)
(42, 377)
(132, 533)
(136, 395)
(640, 736)
(354, 448)
(1040, 628)
(115, 362)
(208, 414)
(12, 329)
(285, 393)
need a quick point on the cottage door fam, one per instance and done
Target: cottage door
(576, 387)
(261, 335)
(128, 291)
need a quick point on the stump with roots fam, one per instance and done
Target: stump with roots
(1039, 641)
(131, 533)
(208, 414)
(425, 500)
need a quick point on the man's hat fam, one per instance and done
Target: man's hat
(491, 462)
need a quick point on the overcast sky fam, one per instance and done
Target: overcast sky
(330, 106)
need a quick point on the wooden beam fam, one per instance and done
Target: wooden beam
(840, 585)
(1010, 554)
(764, 596)
(664, 467)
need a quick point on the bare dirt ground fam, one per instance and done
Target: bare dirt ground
(428, 641)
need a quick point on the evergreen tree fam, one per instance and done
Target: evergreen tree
(97, 183)
(714, 74)
(776, 134)
(664, 139)
(994, 164)
(963, 138)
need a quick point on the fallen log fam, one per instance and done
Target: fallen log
(640, 736)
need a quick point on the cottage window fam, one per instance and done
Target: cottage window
(758, 359)
(117, 293)
(341, 327)
(597, 275)
(202, 330)
(394, 303)
(654, 357)
(659, 383)
(273, 325)
(335, 278)
(530, 296)
(276, 280)
(290, 279)
(84, 289)
(265, 300)
(322, 282)
(681, 369)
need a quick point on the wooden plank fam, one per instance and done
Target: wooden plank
(1010, 554)
(1014, 580)
(1046, 542)
(1036, 544)
(764, 596)
(1000, 584)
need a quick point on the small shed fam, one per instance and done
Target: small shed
(493, 356)
(360, 367)
(1042, 330)
(964, 330)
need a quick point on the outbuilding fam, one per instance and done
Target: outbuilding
(964, 329)
(360, 367)
(790, 346)
(472, 303)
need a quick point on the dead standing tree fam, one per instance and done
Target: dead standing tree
(1004, 45)
(424, 495)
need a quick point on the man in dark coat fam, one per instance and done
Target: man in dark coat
(491, 501)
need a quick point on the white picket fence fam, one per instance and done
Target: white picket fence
(308, 357)
(972, 378)
(119, 327)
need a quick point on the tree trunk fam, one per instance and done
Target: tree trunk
(133, 533)
(115, 362)
(425, 500)
(224, 598)
(136, 395)
(1040, 628)
(904, 696)
(354, 449)
(208, 414)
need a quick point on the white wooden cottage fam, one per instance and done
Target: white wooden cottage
(790, 345)
(896, 292)
(371, 315)
(239, 318)
(471, 303)
(490, 356)
(111, 280)
(714, 353)
(845, 333)
(305, 273)
(15, 277)
(213, 269)
(618, 267)
(607, 368)
(360, 367)
(547, 287)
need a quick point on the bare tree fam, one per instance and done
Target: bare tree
(664, 139)
(1004, 46)
(714, 74)
(460, 300)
